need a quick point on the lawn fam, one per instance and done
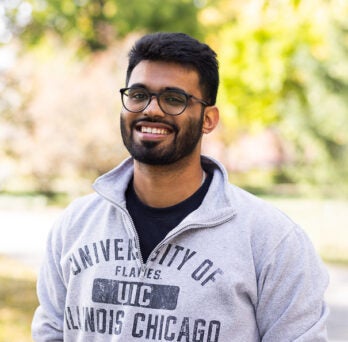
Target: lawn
(17, 301)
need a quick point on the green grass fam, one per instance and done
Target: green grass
(17, 301)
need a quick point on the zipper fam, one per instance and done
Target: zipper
(132, 230)
(136, 238)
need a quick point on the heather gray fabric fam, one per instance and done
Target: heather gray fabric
(236, 269)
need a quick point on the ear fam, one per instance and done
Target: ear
(211, 119)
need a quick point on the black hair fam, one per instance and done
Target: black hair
(181, 49)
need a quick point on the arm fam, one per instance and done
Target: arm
(291, 288)
(48, 319)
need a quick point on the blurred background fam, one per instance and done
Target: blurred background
(283, 134)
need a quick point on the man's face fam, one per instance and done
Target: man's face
(153, 137)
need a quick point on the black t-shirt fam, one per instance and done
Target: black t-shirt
(153, 224)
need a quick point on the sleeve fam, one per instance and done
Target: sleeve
(291, 287)
(48, 320)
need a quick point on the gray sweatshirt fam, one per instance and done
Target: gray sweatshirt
(235, 269)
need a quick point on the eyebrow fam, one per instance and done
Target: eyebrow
(141, 85)
(137, 85)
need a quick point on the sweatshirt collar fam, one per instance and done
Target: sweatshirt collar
(218, 201)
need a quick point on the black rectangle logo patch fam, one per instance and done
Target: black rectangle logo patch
(152, 296)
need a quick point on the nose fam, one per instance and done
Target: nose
(153, 109)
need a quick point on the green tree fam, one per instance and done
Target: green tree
(285, 64)
(94, 24)
(282, 63)
(47, 96)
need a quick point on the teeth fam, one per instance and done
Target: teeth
(154, 130)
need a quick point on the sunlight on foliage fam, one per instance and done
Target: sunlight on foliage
(283, 70)
(285, 64)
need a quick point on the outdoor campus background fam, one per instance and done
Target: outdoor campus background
(283, 99)
(283, 96)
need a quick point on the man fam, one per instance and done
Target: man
(167, 249)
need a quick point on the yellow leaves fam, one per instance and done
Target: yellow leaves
(260, 51)
(68, 7)
(252, 73)
(110, 9)
(84, 23)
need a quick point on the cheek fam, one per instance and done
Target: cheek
(124, 126)
(126, 120)
(191, 126)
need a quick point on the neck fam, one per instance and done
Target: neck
(164, 186)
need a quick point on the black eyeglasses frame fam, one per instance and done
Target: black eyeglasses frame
(157, 95)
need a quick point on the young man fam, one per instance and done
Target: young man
(167, 249)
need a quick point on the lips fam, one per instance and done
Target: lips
(154, 128)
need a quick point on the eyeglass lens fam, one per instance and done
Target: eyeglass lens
(171, 102)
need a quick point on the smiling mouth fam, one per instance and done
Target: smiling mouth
(154, 130)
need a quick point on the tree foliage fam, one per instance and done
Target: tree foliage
(55, 124)
(94, 24)
(59, 124)
(285, 64)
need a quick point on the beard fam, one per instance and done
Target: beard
(149, 152)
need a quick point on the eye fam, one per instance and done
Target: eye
(137, 94)
(173, 98)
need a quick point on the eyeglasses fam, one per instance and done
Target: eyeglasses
(171, 102)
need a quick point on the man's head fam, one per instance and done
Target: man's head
(181, 49)
(168, 105)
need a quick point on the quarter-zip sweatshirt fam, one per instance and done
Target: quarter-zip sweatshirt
(235, 269)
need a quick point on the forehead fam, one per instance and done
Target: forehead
(157, 75)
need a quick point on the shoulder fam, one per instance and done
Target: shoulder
(268, 228)
(258, 209)
(84, 203)
(79, 211)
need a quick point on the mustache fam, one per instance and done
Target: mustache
(154, 120)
